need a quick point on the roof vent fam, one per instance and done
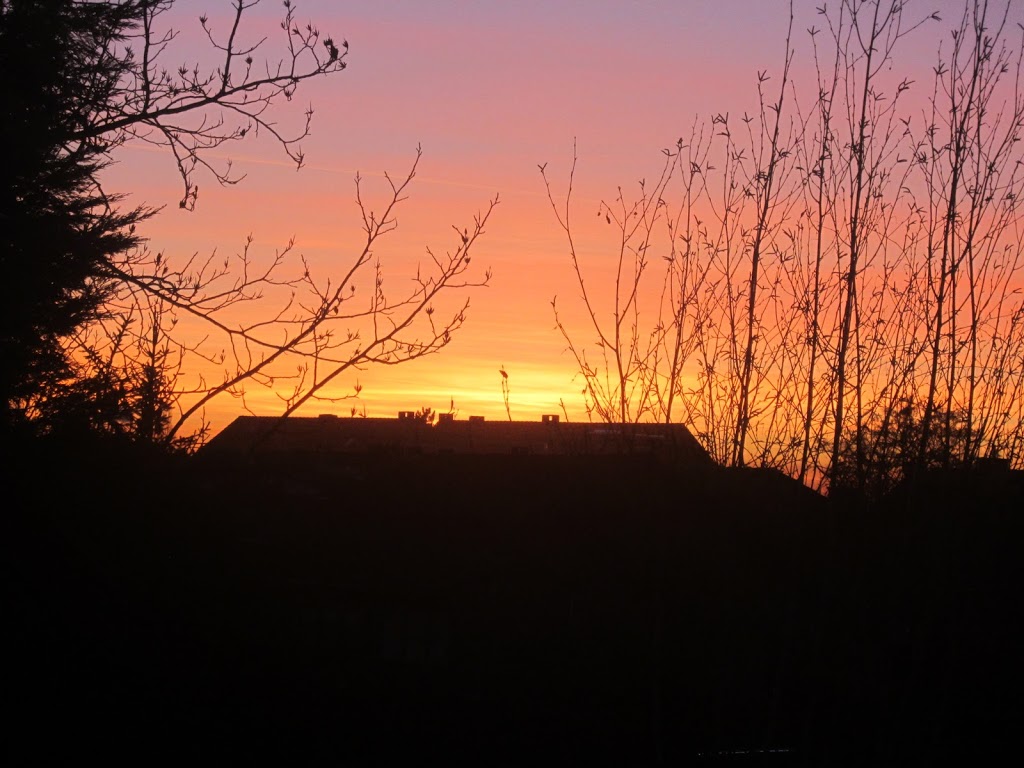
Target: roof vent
(476, 418)
(549, 418)
(407, 414)
(445, 418)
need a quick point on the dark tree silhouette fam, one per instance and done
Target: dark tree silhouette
(89, 311)
(789, 281)
(58, 227)
(895, 448)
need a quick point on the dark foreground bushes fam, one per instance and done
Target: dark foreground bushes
(505, 610)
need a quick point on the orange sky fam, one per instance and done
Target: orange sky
(490, 90)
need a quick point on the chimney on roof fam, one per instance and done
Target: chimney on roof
(476, 418)
(549, 418)
(445, 418)
(407, 415)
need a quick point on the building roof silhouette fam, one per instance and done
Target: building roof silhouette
(330, 434)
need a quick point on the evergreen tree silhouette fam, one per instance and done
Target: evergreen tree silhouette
(58, 227)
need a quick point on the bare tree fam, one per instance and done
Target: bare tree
(271, 322)
(850, 272)
(764, 189)
(192, 108)
(279, 325)
(622, 388)
(972, 171)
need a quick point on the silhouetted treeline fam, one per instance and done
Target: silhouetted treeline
(89, 312)
(838, 261)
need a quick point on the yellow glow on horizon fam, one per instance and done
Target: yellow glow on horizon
(486, 117)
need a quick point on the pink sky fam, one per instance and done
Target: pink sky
(490, 90)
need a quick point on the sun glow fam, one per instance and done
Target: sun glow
(508, 126)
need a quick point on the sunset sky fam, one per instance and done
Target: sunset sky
(490, 90)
